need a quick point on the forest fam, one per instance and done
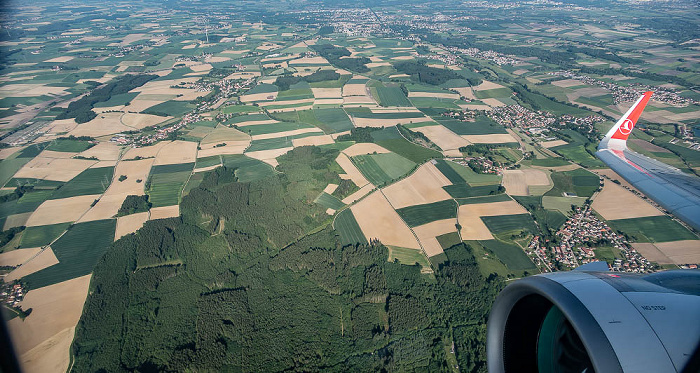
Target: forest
(252, 277)
(333, 54)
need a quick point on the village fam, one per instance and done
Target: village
(576, 243)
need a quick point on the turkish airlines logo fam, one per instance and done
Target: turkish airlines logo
(626, 127)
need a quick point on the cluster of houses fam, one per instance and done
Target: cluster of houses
(11, 293)
(576, 244)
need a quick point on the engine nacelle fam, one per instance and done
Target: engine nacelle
(584, 321)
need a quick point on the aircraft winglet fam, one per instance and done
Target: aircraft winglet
(616, 138)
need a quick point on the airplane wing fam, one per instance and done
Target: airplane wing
(674, 190)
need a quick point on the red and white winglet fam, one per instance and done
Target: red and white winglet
(616, 138)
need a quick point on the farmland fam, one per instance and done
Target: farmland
(422, 214)
(342, 154)
(380, 169)
(165, 183)
(77, 251)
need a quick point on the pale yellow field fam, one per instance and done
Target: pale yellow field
(443, 137)
(106, 208)
(16, 220)
(222, 134)
(133, 170)
(453, 96)
(329, 101)
(269, 156)
(378, 220)
(372, 65)
(53, 168)
(490, 139)
(60, 59)
(681, 252)
(18, 256)
(177, 152)
(232, 147)
(104, 151)
(566, 83)
(364, 148)
(55, 308)
(469, 216)
(616, 202)
(145, 151)
(358, 195)
(492, 102)
(423, 186)
(257, 122)
(614, 176)
(486, 85)
(327, 92)
(427, 234)
(45, 259)
(139, 105)
(29, 90)
(244, 75)
(129, 224)
(54, 154)
(330, 188)
(313, 141)
(553, 143)
(517, 182)
(354, 90)
(4, 153)
(104, 124)
(351, 172)
(52, 355)
(358, 100)
(140, 121)
(259, 97)
(62, 210)
(165, 212)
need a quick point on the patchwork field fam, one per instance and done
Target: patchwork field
(615, 202)
(422, 187)
(377, 219)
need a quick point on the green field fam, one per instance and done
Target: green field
(562, 204)
(391, 139)
(449, 171)
(333, 120)
(248, 169)
(408, 256)
(391, 96)
(578, 182)
(485, 199)
(165, 183)
(511, 255)
(10, 165)
(430, 212)
(608, 254)
(77, 251)
(36, 183)
(494, 93)
(90, 181)
(171, 108)
(27, 203)
(348, 229)
(237, 109)
(214, 160)
(69, 145)
(42, 235)
(481, 126)
(326, 200)
(380, 169)
(578, 154)
(471, 177)
(549, 162)
(510, 223)
(652, 229)
(466, 191)
(118, 100)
